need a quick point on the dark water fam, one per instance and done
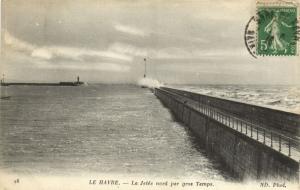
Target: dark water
(97, 128)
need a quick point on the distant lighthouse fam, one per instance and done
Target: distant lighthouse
(78, 82)
(145, 71)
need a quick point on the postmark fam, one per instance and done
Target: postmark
(274, 30)
(250, 36)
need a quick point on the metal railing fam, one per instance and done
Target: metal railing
(273, 139)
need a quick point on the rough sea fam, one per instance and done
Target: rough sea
(280, 97)
(111, 129)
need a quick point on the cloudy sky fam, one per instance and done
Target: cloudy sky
(106, 40)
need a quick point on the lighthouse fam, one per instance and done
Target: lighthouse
(145, 69)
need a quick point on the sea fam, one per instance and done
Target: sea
(279, 97)
(106, 129)
(113, 129)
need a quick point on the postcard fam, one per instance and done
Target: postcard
(149, 94)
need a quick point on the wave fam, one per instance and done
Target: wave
(276, 102)
(149, 83)
(277, 97)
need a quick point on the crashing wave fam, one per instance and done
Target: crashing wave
(149, 83)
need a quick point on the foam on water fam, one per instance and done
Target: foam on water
(149, 83)
(286, 98)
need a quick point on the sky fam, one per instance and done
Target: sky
(106, 41)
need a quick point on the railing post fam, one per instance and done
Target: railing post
(182, 114)
(289, 147)
(279, 142)
(271, 139)
(256, 133)
(246, 129)
(251, 129)
(236, 123)
(199, 102)
(228, 119)
(264, 136)
(241, 126)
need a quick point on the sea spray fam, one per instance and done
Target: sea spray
(149, 83)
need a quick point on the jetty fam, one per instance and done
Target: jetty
(253, 142)
(75, 83)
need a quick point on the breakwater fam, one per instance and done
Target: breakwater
(253, 142)
(42, 84)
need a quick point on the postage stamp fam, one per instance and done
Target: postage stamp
(274, 30)
(277, 30)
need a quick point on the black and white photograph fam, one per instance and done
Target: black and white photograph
(149, 94)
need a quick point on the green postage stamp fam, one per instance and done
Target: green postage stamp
(276, 29)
